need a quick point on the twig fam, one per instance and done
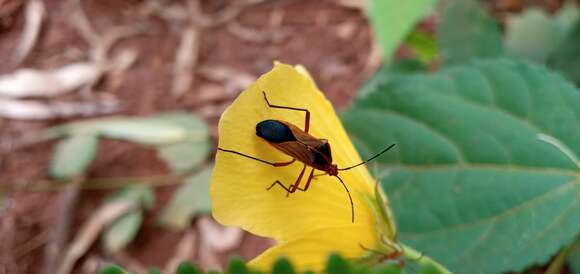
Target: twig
(185, 61)
(208, 259)
(229, 13)
(90, 232)
(60, 233)
(361, 5)
(112, 37)
(101, 44)
(34, 16)
(185, 251)
(81, 22)
(244, 33)
(234, 80)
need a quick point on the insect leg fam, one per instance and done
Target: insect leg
(280, 184)
(274, 164)
(294, 187)
(291, 188)
(306, 119)
(307, 185)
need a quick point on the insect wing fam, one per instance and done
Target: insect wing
(297, 150)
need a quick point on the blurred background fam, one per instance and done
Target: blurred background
(101, 99)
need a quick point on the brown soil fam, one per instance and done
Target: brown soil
(332, 41)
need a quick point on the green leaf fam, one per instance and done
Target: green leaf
(123, 230)
(337, 265)
(187, 268)
(139, 130)
(485, 174)
(466, 32)
(237, 266)
(574, 256)
(536, 35)
(189, 199)
(161, 129)
(112, 269)
(392, 20)
(154, 270)
(566, 57)
(182, 157)
(429, 270)
(387, 269)
(423, 44)
(142, 195)
(73, 156)
(282, 266)
(186, 120)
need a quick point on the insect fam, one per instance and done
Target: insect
(300, 145)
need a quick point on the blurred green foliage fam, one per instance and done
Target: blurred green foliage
(335, 265)
(486, 176)
(566, 57)
(123, 230)
(181, 141)
(392, 20)
(190, 199)
(473, 183)
(574, 256)
(536, 35)
(466, 31)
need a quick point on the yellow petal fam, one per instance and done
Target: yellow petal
(311, 251)
(238, 187)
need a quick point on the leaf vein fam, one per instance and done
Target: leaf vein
(496, 217)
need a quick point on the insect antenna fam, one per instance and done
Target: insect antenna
(245, 155)
(349, 197)
(370, 159)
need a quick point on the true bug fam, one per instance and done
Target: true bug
(301, 146)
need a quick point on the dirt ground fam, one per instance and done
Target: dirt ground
(235, 41)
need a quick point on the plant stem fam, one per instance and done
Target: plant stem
(423, 260)
(559, 262)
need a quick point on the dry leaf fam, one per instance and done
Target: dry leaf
(234, 80)
(48, 83)
(218, 237)
(34, 110)
(183, 252)
(185, 61)
(90, 232)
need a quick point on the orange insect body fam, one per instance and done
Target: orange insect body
(298, 144)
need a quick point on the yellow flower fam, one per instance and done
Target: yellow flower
(307, 225)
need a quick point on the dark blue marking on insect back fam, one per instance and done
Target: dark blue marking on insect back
(323, 156)
(274, 131)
